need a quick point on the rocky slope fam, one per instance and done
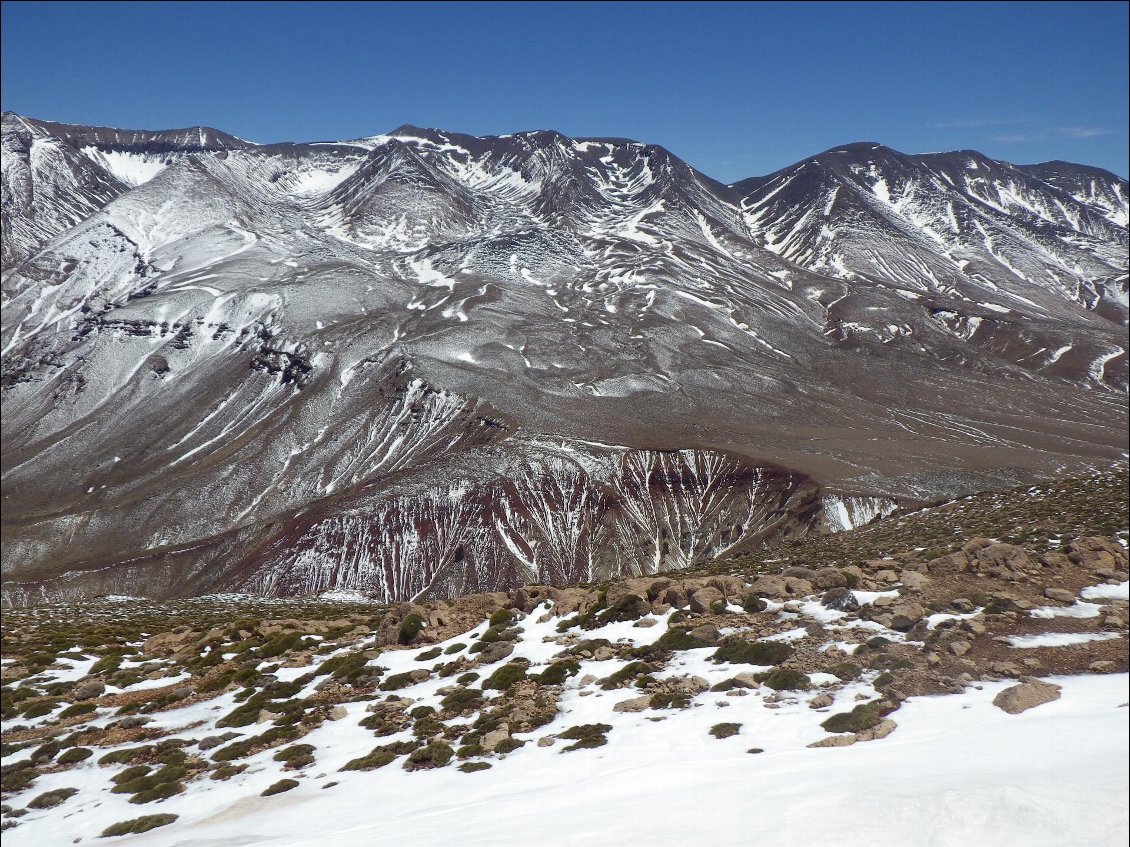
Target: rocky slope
(425, 363)
(231, 717)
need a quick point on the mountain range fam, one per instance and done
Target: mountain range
(423, 363)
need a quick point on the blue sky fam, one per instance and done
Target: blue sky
(735, 89)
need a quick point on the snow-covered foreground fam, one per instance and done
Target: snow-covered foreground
(958, 771)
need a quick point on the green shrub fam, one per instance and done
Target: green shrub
(398, 681)
(505, 677)
(753, 603)
(471, 767)
(455, 648)
(410, 628)
(76, 710)
(51, 799)
(629, 671)
(679, 638)
(500, 618)
(224, 772)
(883, 680)
(294, 751)
(381, 756)
(138, 825)
(462, 699)
(725, 730)
(18, 775)
(847, 671)
(786, 679)
(435, 755)
(669, 700)
(467, 678)
(756, 653)
(508, 745)
(428, 655)
(75, 755)
(279, 787)
(39, 709)
(863, 716)
(586, 736)
(558, 672)
(161, 791)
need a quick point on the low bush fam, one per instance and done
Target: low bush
(725, 730)
(138, 825)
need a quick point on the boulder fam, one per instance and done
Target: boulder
(1096, 552)
(769, 586)
(636, 704)
(88, 690)
(1027, 695)
(1002, 558)
(496, 651)
(799, 572)
(840, 599)
(1060, 594)
(492, 739)
(948, 564)
(905, 615)
(704, 598)
(829, 578)
(797, 587)
(914, 581)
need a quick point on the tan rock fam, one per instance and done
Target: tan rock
(1060, 594)
(635, 704)
(704, 598)
(1027, 695)
(914, 581)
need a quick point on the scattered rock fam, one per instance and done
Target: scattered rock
(1027, 695)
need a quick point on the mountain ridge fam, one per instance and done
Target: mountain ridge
(502, 358)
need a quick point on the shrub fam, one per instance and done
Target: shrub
(39, 709)
(138, 825)
(679, 638)
(558, 672)
(279, 787)
(863, 716)
(883, 680)
(131, 773)
(77, 709)
(454, 648)
(378, 757)
(725, 730)
(294, 751)
(500, 618)
(467, 678)
(629, 671)
(754, 603)
(847, 671)
(508, 745)
(462, 699)
(505, 677)
(428, 655)
(586, 736)
(756, 653)
(786, 679)
(435, 755)
(227, 772)
(51, 799)
(161, 791)
(398, 681)
(669, 700)
(471, 767)
(410, 627)
(18, 775)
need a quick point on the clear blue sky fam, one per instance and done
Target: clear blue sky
(735, 89)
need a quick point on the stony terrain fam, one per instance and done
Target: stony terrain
(205, 720)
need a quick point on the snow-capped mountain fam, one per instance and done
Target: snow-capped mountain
(423, 362)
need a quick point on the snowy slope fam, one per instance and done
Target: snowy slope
(305, 366)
